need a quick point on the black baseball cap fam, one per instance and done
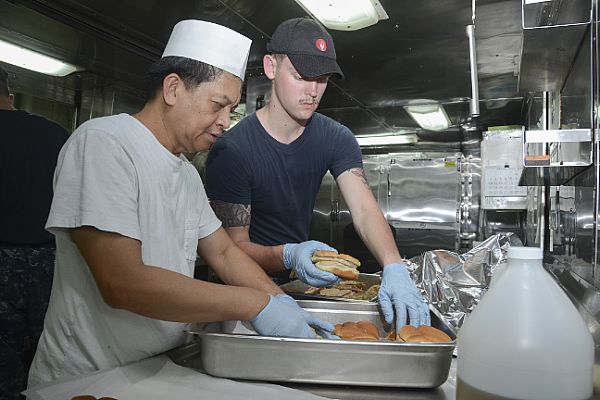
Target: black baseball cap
(3, 75)
(308, 46)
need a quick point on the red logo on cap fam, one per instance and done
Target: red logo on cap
(321, 45)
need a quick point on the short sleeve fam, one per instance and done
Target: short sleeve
(209, 222)
(227, 177)
(95, 185)
(346, 152)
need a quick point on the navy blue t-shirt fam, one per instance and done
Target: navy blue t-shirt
(279, 181)
(29, 147)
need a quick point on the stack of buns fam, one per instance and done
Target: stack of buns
(421, 334)
(361, 330)
(365, 330)
(342, 265)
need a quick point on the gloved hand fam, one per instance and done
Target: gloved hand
(323, 328)
(297, 256)
(398, 292)
(279, 318)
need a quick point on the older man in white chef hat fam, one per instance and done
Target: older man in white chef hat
(130, 214)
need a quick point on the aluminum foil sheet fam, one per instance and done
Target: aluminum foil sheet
(454, 283)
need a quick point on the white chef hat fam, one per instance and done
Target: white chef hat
(210, 43)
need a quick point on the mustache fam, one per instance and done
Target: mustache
(309, 101)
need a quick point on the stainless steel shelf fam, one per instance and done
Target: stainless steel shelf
(558, 148)
(558, 136)
(552, 34)
(558, 175)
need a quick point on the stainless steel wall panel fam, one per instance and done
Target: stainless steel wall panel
(424, 189)
(424, 201)
(430, 200)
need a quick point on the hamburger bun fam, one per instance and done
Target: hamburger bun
(342, 265)
(345, 259)
(84, 397)
(421, 334)
(361, 330)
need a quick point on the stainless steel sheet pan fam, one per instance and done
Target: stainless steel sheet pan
(233, 350)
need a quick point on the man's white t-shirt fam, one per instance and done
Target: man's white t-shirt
(114, 175)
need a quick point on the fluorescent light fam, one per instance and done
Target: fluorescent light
(429, 115)
(24, 58)
(386, 140)
(345, 15)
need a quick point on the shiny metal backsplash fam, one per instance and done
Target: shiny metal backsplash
(454, 283)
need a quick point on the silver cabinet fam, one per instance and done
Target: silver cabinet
(424, 201)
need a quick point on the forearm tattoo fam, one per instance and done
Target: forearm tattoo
(231, 215)
(361, 174)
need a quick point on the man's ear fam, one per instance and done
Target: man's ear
(270, 65)
(171, 85)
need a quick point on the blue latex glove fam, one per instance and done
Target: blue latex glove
(398, 292)
(279, 318)
(323, 328)
(297, 256)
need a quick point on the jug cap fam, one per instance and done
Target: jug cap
(529, 253)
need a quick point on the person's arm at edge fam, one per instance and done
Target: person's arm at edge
(236, 222)
(125, 282)
(367, 218)
(233, 265)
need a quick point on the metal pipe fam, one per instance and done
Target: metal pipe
(474, 104)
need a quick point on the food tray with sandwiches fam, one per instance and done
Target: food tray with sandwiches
(233, 350)
(363, 288)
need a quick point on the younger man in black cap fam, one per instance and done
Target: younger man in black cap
(29, 146)
(263, 176)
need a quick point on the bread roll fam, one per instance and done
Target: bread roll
(84, 397)
(341, 265)
(423, 333)
(345, 259)
(361, 330)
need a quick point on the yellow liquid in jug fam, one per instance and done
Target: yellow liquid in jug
(467, 392)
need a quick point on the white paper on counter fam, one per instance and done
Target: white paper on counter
(97, 383)
(176, 382)
(160, 378)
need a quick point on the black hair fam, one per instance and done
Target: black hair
(191, 72)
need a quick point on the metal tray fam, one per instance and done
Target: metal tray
(296, 289)
(232, 350)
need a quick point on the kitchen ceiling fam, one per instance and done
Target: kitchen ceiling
(420, 52)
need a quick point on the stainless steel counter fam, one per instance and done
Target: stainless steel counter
(443, 392)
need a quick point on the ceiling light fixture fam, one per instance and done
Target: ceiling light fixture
(25, 58)
(345, 15)
(386, 140)
(429, 115)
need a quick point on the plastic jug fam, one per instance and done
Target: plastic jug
(525, 339)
